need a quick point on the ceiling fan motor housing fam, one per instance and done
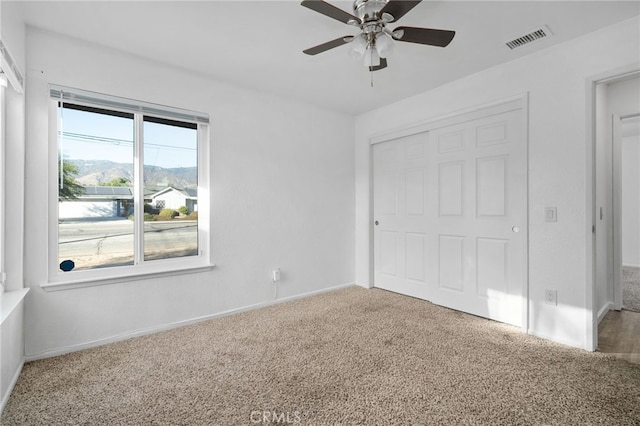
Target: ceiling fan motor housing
(368, 10)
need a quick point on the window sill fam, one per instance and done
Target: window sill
(125, 277)
(9, 301)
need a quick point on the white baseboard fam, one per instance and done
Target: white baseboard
(14, 380)
(169, 326)
(557, 339)
(368, 285)
(604, 310)
(630, 266)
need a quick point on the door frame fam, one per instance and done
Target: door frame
(513, 103)
(3, 85)
(616, 138)
(616, 170)
(592, 318)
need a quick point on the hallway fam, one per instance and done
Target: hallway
(619, 334)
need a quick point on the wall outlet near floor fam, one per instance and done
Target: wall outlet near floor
(275, 275)
(551, 297)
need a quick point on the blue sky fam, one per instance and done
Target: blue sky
(91, 136)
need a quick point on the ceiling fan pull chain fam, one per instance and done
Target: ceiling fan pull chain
(371, 67)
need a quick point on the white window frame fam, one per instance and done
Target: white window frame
(3, 276)
(141, 269)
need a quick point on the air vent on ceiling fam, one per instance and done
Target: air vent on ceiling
(541, 32)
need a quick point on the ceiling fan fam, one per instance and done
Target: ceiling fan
(375, 42)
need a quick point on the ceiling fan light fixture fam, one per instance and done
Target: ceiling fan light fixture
(384, 45)
(371, 57)
(357, 47)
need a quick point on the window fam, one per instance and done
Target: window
(10, 77)
(128, 174)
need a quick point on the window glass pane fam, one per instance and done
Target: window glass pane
(170, 189)
(95, 188)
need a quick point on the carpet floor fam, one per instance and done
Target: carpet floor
(354, 356)
(631, 288)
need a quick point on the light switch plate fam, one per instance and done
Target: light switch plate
(551, 214)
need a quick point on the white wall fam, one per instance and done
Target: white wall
(555, 79)
(631, 201)
(11, 342)
(282, 196)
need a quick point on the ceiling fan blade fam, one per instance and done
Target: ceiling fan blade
(383, 64)
(328, 45)
(432, 37)
(330, 11)
(398, 8)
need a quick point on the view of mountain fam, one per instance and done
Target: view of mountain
(97, 172)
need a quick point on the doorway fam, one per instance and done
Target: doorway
(626, 134)
(616, 236)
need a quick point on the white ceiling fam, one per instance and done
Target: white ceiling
(258, 44)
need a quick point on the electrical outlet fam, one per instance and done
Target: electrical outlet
(551, 214)
(551, 297)
(275, 275)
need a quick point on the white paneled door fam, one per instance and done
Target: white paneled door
(450, 215)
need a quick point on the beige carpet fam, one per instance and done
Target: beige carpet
(631, 288)
(353, 356)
